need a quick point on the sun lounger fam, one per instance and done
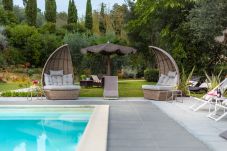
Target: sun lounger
(209, 97)
(198, 84)
(96, 81)
(202, 87)
(110, 87)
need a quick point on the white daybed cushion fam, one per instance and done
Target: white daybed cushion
(47, 79)
(56, 73)
(63, 87)
(172, 81)
(162, 79)
(172, 73)
(57, 80)
(155, 87)
(68, 79)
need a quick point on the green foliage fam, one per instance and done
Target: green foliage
(18, 35)
(184, 81)
(129, 73)
(158, 22)
(20, 14)
(3, 62)
(72, 13)
(13, 56)
(102, 20)
(88, 17)
(48, 28)
(18, 94)
(205, 24)
(50, 42)
(214, 80)
(76, 42)
(7, 17)
(50, 11)
(151, 75)
(31, 12)
(33, 46)
(118, 18)
(8, 5)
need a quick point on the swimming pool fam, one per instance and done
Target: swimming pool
(42, 128)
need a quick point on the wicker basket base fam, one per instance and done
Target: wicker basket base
(157, 95)
(62, 95)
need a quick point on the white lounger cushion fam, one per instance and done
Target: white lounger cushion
(156, 87)
(47, 79)
(162, 79)
(172, 81)
(57, 80)
(68, 79)
(63, 87)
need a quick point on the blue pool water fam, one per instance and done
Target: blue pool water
(42, 129)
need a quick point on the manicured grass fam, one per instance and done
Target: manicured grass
(10, 86)
(127, 88)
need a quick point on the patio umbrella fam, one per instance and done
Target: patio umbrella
(109, 49)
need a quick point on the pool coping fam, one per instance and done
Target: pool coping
(96, 131)
(95, 134)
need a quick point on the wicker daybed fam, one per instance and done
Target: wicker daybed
(58, 76)
(168, 69)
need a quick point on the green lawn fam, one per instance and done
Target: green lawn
(10, 86)
(127, 88)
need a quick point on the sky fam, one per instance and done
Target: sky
(62, 5)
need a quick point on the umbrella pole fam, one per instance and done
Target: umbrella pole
(108, 65)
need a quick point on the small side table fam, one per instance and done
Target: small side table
(218, 100)
(86, 83)
(35, 89)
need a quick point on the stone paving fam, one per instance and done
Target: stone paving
(135, 125)
(197, 123)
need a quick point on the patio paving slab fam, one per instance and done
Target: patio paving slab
(134, 125)
(197, 123)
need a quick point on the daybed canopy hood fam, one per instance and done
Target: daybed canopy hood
(165, 62)
(60, 59)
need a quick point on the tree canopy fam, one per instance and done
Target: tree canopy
(88, 16)
(31, 12)
(50, 10)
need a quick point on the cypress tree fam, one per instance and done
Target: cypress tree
(31, 12)
(8, 5)
(88, 17)
(50, 11)
(102, 21)
(72, 13)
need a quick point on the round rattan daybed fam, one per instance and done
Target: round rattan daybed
(60, 59)
(165, 64)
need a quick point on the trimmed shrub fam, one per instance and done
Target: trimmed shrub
(151, 75)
